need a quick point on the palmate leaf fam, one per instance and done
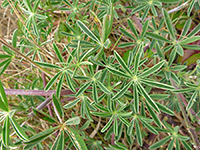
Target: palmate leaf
(76, 139)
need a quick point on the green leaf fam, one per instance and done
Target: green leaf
(69, 82)
(190, 40)
(148, 98)
(3, 106)
(137, 60)
(14, 38)
(149, 127)
(107, 124)
(157, 84)
(172, 56)
(117, 72)
(94, 93)
(85, 29)
(138, 8)
(83, 88)
(192, 100)
(157, 37)
(160, 142)
(76, 139)
(130, 128)
(168, 23)
(73, 121)
(47, 65)
(102, 87)
(59, 86)
(3, 56)
(60, 142)
(159, 51)
(122, 63)
(36, 139)
(154, 116)
(170, 146)
(122, 91)
(190, 7)
(18, 130)
(44, 116)
(3, 96)
(169, 1)
(51, 82)
(124, 121)
(152, 69)
(115, 126)
(194, 31)
(127, 34)
(58, 54)
(185, 28)
(6, 132)
(164, 109)
(144, 29)
(127, 44)
(28, 5)
(187, 147)
(138, 132)
(191, 47)
(136, 99)
(71, 104)
(101, 114)
(132, 27)
(58, 105)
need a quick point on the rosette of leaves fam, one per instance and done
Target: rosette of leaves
(60, 125)
(177, 44)
(174, 137)
(195, 94)
(74, 8)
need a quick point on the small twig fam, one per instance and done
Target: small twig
(176, 9)
(96, 129)
(42, 105)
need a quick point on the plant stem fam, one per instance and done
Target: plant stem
(191, 129)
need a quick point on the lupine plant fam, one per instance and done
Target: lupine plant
(101, 74)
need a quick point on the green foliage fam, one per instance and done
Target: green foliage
(110, 77)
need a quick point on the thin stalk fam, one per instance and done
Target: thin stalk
(191, 129)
